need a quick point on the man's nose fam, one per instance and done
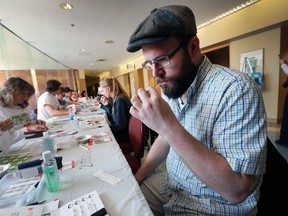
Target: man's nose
(156, 71)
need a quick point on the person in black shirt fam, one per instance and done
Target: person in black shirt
(118, 112)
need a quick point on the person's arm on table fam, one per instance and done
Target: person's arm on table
(210, 167)
(53, 112)
(39, 126)
(156, 155)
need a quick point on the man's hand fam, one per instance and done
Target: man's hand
(152, 110)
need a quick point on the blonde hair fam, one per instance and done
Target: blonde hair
(115, 87)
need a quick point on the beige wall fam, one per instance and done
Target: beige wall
(270, 41)
(255, 17)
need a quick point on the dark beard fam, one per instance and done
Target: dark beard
(178, 85)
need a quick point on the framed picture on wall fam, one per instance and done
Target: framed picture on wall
(252, 63)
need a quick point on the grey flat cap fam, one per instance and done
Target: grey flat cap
(162, 23)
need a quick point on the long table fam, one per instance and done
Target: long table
(124, 198)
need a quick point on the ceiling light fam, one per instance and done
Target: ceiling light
(248, 3)
(100, 60)
(66, 6)
(109, 41)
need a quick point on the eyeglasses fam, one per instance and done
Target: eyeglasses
(161, 61)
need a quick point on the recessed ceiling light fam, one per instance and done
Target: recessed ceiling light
(66, 6)
(109, 41)
(82, 50)
(100, 60)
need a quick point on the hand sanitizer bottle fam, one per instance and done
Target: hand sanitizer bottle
(50, 172)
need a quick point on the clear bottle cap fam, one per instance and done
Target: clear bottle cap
(47, 155)
(46, 134)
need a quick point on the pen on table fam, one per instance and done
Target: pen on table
(83, 147)
(37, 203)
(36, 185)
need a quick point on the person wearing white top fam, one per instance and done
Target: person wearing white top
(283, 139)
(48, 105)
(14, 99)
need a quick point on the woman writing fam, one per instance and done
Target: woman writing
(118, 113)
(13, 104)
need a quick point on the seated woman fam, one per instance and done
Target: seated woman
(118, 113)
(48, 105)
(13, 104)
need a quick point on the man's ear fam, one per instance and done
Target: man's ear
(193, 46)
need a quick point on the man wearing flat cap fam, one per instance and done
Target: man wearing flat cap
(211, 123)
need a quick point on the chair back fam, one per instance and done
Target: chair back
(137, 136)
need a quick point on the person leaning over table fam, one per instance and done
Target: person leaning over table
(98, 99)
(118, 113)
(212, 124)
(68, 96)
(14, 98)
(63, 103)
(48, 105)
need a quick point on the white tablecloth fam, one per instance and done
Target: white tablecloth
(124, 198)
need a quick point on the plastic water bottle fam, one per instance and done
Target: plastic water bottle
(76, 124)
(48, 143)
(71, 113)
(50, 172)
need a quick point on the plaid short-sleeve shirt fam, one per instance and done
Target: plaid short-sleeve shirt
(225, 111)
